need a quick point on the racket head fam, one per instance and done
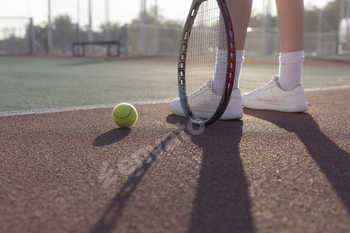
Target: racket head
(208, 27)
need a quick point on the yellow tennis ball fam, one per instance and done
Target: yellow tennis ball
(124, 115)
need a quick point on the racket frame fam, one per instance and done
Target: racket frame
(231, 62)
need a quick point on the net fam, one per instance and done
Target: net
(100, 49)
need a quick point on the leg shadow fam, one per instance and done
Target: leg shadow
(333, 161)
(222, 202)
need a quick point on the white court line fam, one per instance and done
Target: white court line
(327, 88)
(69, 109)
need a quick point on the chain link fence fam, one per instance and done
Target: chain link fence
(151, 40)
(155, 40)
(259, 43)
(16, 37)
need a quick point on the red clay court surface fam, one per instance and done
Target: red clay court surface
(269, 172)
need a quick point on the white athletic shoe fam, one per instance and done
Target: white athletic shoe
(273, 97)
(232, 112)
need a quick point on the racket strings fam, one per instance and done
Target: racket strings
(206, 66)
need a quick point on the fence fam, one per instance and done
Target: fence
(151, 40)
(344, 36)
(155, 40)
(259, 43)
(16, 36)
(19, 36)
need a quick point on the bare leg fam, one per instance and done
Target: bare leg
(240, 13)
(284, 93)
(291, 24)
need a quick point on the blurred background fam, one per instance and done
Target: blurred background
(152, 27)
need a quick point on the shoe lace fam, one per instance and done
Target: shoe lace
(199, 90)
(196, 92)
(267, 85)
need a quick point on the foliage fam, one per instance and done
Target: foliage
(64, 31)
(154, 17)
(330, 21)
(331, 14)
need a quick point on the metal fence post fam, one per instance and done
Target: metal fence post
(32, 38)
(126, 52)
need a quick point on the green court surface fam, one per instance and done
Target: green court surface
(44, 83)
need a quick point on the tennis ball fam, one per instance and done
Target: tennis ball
(124, 115)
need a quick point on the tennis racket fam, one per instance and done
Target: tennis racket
(206, 64)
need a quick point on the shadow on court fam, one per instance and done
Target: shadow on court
(109, 220)
(111, 137)
(87, 62)
(222, 201)
(51, 169)
(333, 161)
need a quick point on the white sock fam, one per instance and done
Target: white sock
(221, 58)
(239, 62)
(291, 65)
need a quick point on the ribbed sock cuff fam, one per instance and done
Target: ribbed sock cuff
(291, 58)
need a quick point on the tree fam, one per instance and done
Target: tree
(311, 19)
(330, 20)
(331, 14)
(64, 31)
(116, 31)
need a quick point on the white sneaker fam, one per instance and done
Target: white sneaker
(273, 97)
(233, 110)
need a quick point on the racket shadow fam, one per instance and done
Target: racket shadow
(333, 161)
(109, 220)
(222, 202)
